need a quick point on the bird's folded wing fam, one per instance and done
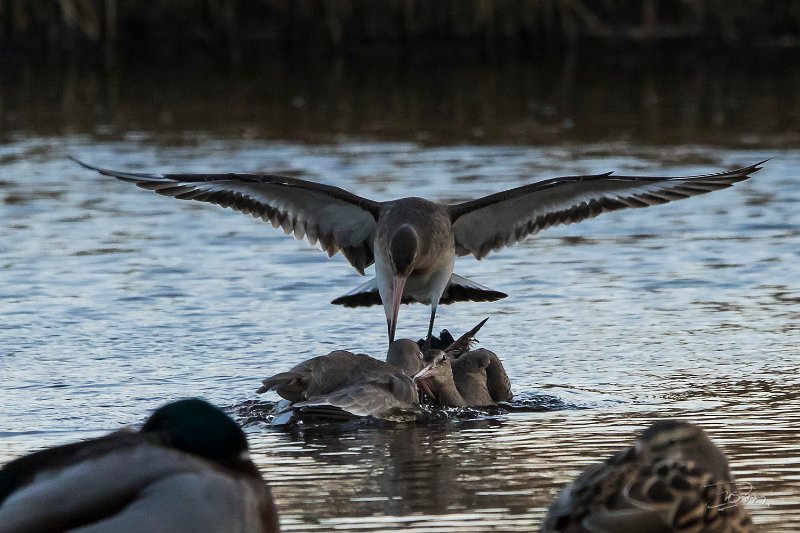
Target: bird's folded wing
(359, 400)
(502, 219)
(337, 219)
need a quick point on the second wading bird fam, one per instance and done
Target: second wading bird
(413, 242)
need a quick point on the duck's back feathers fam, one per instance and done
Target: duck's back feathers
(21, 471)
(125, 483)
(186, 470)
(672, 480)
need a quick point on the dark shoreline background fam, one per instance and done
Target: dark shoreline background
(433, 72)
(235, 34)
(747, 105)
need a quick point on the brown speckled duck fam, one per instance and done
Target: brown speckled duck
(673, 479)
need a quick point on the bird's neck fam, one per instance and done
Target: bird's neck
(409, 363)
(448, 395)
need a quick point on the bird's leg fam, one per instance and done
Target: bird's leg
(427, 345)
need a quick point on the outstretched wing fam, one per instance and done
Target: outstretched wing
(508, 217)
(337, 219)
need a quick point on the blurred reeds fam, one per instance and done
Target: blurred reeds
(102, 32)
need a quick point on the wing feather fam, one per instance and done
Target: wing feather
(336, 219)
(493, 222)
(368, 399)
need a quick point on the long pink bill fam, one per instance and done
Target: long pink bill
(398, 284)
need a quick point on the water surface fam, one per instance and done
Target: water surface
(114, 301)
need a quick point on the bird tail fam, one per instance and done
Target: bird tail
(280, 381)
(459, 289)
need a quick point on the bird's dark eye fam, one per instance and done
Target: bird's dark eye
(444, 358)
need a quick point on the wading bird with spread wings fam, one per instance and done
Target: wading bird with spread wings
(413, 242)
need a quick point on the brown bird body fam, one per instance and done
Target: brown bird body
(459, 376)
(480, 378)
(413, 242)
(473, 379)
(357, 384)
(673, 479)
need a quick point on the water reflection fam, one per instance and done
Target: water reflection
(667, 102)
(499, 473)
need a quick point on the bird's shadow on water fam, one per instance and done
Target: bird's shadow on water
(258, 412)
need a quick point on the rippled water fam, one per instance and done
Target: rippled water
(114, 301)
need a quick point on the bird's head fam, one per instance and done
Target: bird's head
(403, 250)
(195, 426)
(436, 374)
(680, 439)
(406, 355)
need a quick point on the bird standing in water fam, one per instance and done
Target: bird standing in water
(413, 242)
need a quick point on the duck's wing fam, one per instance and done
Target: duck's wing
(508, 217)
(124, 482)
(23, 470)
(469, 375)
(195, 501)
(337, 219)
(484, 370)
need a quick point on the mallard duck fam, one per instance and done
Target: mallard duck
(186, 470)
(673, 479)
